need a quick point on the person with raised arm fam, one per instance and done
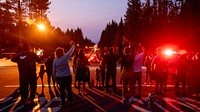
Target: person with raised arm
(62, 73)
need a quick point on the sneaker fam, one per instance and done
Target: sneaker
(132, 99)
(123, 100)
(30, 102)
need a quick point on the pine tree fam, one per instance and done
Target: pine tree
(132, 20)
(38, 8)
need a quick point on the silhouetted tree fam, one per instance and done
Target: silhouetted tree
(108, 35)
(119, 34)
(133, 21)
(163, 22)
(38, 8)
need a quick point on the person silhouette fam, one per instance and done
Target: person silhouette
(41, 74)
(111, 60)
(62, 73)
(26, 61)
(49, 69)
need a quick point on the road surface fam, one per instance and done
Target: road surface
(97, 99)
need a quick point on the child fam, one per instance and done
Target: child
(98, 75)
(41, 73)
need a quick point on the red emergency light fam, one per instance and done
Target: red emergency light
(169, 52)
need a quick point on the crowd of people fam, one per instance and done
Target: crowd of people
(131, 59)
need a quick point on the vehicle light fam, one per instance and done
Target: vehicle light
(169, 52)
(91, 58)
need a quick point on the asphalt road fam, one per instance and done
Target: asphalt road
(97, 99)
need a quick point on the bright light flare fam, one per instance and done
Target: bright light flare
(29, 21)
(41, 26)
(169, 52)
(182, 52)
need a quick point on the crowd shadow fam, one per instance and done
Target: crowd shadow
(7, 102)
(97, 100)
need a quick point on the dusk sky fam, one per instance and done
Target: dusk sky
(89, 15)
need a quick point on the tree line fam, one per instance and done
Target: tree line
(19, 22)
(155, 23)
(152, 23)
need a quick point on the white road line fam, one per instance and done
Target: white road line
(39, 85)
(118, 85)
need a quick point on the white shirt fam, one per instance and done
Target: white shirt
(137, 65)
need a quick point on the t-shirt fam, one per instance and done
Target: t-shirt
(159, 64)
(137, 66)
(111, 61)
(127, 61)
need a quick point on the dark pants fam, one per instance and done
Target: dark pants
(49, 77)
(148, 75)
(181, 77)
(21, 87)
(27, 80)
(88, 75)
(112, 75)
(65, 83)
(160, 80)
(103, 78)
(137, 77)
